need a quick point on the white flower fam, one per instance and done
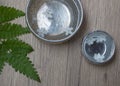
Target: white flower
(44, 17)
(68, 31)
(48, 13)
(101, 39)
(91, 40)
(42, 32)
(2, 40)
(9, 51)
(99, 58)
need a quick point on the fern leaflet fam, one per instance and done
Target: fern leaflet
(9, 13)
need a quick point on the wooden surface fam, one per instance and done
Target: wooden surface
(63, 65)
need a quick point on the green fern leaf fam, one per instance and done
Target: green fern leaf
(2, 63)
(14, 52)
(9, 30)
(11, 47)
(24, 65)
(9, 13)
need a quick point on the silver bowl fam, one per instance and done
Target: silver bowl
(98, 47)
(54, 21)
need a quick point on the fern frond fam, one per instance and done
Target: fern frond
(15, 46)
(9, 30)
(9, 13)
(12, 50)
(24, 66)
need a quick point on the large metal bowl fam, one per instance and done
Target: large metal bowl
(54, 21)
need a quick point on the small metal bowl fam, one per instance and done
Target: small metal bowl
(98, 47)
(54, 21)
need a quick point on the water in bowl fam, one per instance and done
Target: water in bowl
(54, 18)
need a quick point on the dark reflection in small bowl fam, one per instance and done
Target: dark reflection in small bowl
(54, 21)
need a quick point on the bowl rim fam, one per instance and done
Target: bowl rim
(55, 41)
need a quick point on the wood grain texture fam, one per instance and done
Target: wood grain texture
(64, 65)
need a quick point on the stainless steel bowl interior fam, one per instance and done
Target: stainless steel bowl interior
(54, 20)
(98, 47)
